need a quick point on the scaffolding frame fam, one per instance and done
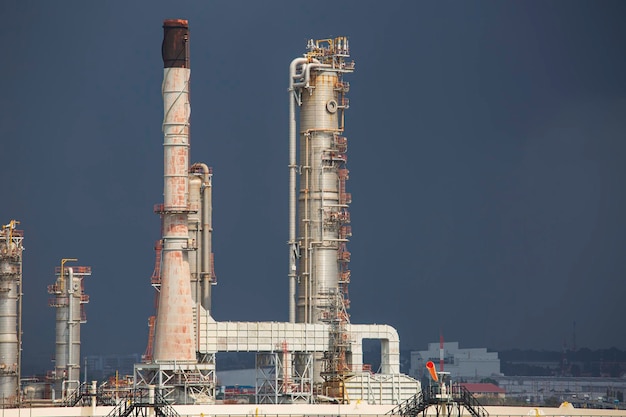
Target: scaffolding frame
(336, 360)
(284, 377)
(179, 382)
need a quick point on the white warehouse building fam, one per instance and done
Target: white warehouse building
(468, 364)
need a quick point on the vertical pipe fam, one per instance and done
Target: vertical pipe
(293, 168)
(62, 318)
(72, 368)
(174, 329)
(70, 321)
(193, 223)
(200, 195)
(207, 231)
(19, 329)
(75, 317)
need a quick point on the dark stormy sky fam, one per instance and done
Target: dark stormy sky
(486, 156)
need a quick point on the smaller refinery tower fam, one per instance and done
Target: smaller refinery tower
(10, 310)
(69, 299)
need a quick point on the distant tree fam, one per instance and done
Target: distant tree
(595, 369)
(522, 369)
(489, 381)
(615, 370)
(584, 355)
(552, 402)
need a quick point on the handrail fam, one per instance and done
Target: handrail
(425, 398)
(138, 399)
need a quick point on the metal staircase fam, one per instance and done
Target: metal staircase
(447, 403)
(138, 404)
(410, 407)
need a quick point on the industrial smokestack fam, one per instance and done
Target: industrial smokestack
(174, 340)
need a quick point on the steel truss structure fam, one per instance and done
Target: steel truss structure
(284, 377)
(179, 382)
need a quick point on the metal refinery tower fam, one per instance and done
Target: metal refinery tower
(10, 310)
(318, 254)
(319, 250)
(69, 300)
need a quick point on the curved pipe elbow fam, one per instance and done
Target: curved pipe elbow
(305, 74)
(292, 70)
(204, 168)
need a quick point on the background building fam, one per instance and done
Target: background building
(582, 392)
(100, 367)
(468, 364)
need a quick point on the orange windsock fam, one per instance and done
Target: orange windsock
(431, 368)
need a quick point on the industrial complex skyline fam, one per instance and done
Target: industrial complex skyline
(486, 149)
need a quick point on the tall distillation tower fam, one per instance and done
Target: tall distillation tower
(318, 254)
(10, 310)
(69, 300)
